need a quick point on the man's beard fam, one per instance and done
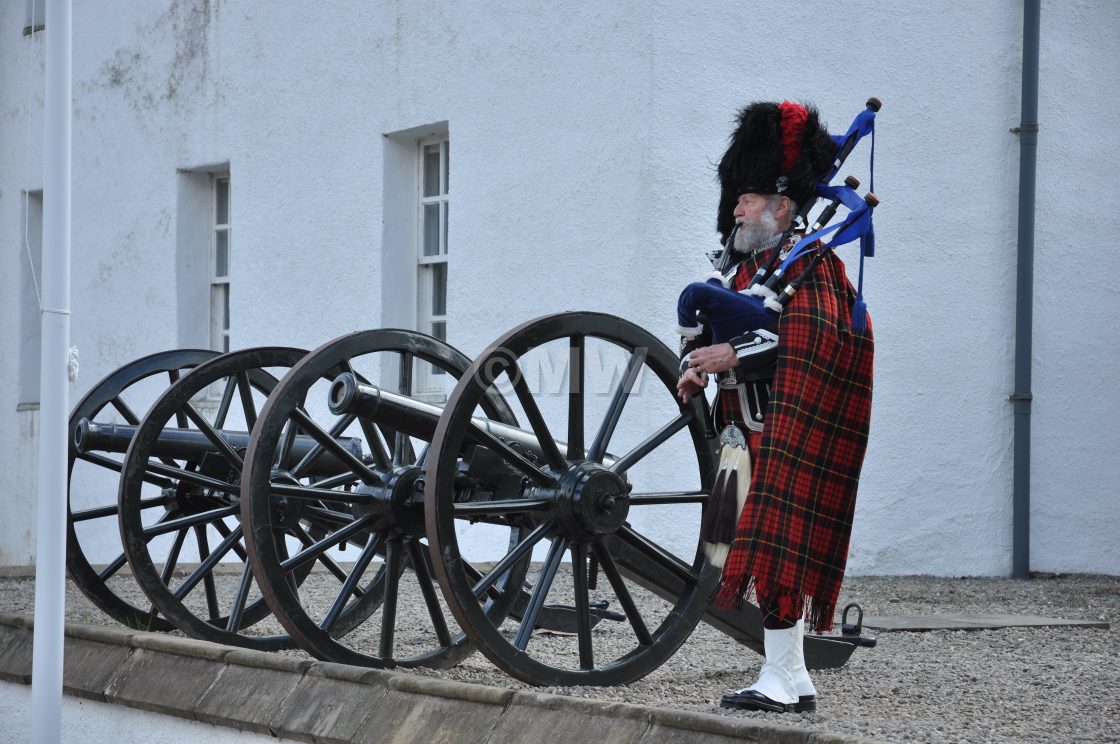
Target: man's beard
(752, 237)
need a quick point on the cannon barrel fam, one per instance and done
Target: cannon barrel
(418, 419)
(192, 444)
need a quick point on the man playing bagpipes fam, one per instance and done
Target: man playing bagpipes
(794, 370)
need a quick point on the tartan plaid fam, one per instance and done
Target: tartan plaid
(791, 544)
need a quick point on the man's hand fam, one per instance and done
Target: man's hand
(713, 359)
(691, 383)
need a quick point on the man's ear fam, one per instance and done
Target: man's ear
(784, 209)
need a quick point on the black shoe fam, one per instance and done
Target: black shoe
(754, 700)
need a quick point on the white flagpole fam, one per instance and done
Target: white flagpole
(50, 546)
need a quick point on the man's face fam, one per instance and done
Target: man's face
(757, 222)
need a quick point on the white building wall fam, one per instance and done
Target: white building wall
(583, 145)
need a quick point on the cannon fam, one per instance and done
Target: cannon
(312, 491)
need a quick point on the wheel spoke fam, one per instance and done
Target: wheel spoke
(190, 476)
(315, 452)
(162, 528)
(351, 583)
(668, 497)
(115, 466)
(583, 605)
(342, 479)
(320, 494)
(233, 624)
(314, 549)
(112, 568)
(548, 446)
(389, 600)
(248, 407)
(606, 562)
(173, 557)
(224, 531)
(475, 575)
(576, 397)
(618, 401)
(510, 455)
(505, 564)
(208, 587)
(87, 514)
(654, 441)
(358, 467)
(215, 438)
(495, 508)
(204, 572)
(540, 591)
(180, 416)
(322, 514)
(658, 554)
(209, 560)
(428, 589)
(227, 399)
(402, 446)
(378, 445)
(284, 446)
(127, 413)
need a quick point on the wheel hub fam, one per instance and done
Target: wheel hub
(397, 500)
(190, 499)
(591, 502)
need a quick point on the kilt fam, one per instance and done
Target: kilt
(791, 543)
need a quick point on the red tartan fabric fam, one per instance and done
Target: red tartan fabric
(791, 545)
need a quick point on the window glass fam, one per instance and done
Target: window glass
(439, 289)
(221, 254)
(431, 229)
(222, 197)
(431, 170)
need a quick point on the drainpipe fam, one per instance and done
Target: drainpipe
(1024, 287)
(50, 540)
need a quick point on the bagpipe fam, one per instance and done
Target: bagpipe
(729, 312)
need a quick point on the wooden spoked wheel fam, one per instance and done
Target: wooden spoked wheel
(622, 497)
(371, 504)
(180, 494)
(94, 557)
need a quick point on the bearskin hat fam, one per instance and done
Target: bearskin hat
(776, 148)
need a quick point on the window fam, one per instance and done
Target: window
(219, 264)
(30, 320)
(431, 288)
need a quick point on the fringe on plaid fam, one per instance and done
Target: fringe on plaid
(733, 592)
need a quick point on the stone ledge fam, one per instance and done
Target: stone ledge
(313, 701)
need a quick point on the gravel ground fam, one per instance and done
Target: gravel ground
(1018, 684)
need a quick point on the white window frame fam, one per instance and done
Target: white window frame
(219, 282)
(427, 382)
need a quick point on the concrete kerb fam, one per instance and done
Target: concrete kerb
(322, 701)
